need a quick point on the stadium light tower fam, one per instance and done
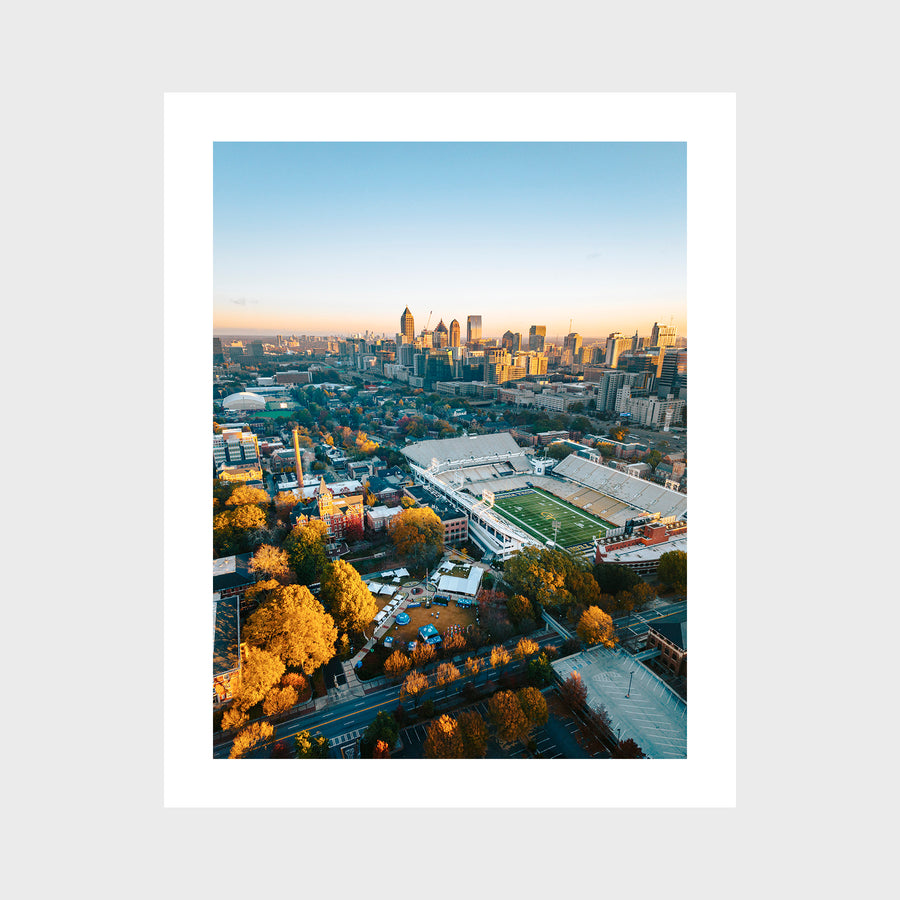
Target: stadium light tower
(555, 530)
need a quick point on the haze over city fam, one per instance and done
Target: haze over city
(321, 238)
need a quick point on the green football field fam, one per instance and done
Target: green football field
(535, 512)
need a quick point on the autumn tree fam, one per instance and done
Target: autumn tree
(445, 675)
(540, 575)
(455, 641)
(396, 664)
(596, 627)
(308, 747)
(247, 739)
(294, 626)
(635, 598)
(415, 684)
(499, 657)
(443, 739)
(247, 518)
(474, 734)
(295, 680)
(260, 670)
(381, 750)
(627, 749)
(305, 547)
(272, 562)
(423, 654)
(509, 720)
(672, 571)
(519, 608)
(244, 495)
(534, 705)
(279, 700)
(473, 665)
(234, 717)
(573, 691)
(280, 751)
(346, 596)
(284, 502)
(418, 536)
(525, 648)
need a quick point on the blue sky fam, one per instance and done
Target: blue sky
(340, 237)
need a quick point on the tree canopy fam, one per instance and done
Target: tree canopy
(260, 670)
(596, 627)
(279, 700)
(309, 747)
(247, 739)
(244, 494)
(540, 575)
(418, 535)
(443, 740)
(672, 570)
(510, 722)
(383, 728)
(270, 561)
(534, 706)
(396, 664)
(305, 547)
(346, 596)
(474, 734)
(612, 578)
(294, 626)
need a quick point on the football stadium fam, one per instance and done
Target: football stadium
(509, 505)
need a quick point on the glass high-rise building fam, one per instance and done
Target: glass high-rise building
(473, 329)
(407, 328)
(536, 337)
(454, 333)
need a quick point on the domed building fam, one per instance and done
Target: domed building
(244, 401)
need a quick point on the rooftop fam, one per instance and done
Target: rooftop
(651, 714)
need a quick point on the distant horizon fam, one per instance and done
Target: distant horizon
(337, 238)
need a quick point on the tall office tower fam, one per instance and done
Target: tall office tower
(473, 329)
(663, 335)
(673, 373)
(635, 341)
(441, 335)
(537, 365)
(507, 342)
(407, 328)
(615, 345)
(406, 352)
(427, 339)
(495, 360)
(218, 352)
(536, 336)
(571, 347)
(454, 333)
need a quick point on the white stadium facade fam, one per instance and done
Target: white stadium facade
(462, 469)
(244, 401)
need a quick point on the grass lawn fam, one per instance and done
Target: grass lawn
(535, 511)
(443, 618)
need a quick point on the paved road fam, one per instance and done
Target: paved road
(640, 622)
(344, 722)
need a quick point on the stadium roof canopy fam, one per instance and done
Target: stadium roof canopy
(244, 400)
(462, 450)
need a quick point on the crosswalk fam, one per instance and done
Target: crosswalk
(345, 738)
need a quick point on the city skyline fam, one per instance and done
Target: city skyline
(336, 238)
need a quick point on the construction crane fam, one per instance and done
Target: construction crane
(430, 311)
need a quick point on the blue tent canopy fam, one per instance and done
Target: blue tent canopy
(429, 634)
(403, 619)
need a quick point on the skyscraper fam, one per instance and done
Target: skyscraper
(571, 348)
(536, 336)
(407, 328)
(441, 336)
(454, 333)
(473, 329)
(663, 335)
(615, 344)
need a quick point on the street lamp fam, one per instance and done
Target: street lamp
(630, 675)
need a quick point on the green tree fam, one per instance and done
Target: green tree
(539, 672)
(613, 578)
(558, 450)
(295, 627)
(672, 571)
(383, 728)
(618, 433)
(305, 547)
(418, 535)
(259, 671)
(247, 739)
(540, 575)
(627, 749)
(346, 597)
(653, 458)
(519, 608)
(474, 734)
(443, 739)
(308, 747)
